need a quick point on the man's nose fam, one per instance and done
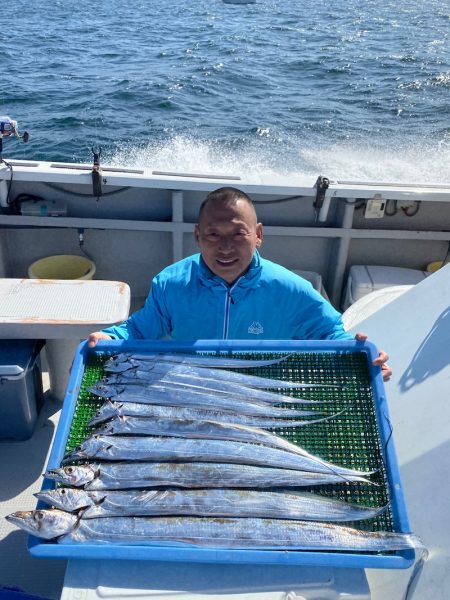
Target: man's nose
(226, 243)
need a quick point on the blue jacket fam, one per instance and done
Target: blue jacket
(188, 302)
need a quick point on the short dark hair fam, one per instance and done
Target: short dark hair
(224, 194)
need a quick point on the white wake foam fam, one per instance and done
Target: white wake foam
(290, 158)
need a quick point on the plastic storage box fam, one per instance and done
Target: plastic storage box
(364, 279)
(360, 438)
(21, 391)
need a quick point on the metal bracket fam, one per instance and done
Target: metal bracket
(322, 184)
(97, 173)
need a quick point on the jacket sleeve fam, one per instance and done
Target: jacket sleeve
(151, 322)
(318, 320)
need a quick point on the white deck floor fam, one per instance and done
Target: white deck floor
(21, 466)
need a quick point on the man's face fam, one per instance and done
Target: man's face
(227, 235)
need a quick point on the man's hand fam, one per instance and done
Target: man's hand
(95, 337)
(380, 361)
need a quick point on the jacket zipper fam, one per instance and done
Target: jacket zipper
(228, 300)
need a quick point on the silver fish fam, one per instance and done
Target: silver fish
(106, 447)
(45, 524)
(206, 503)
(169, 372)
(145, 475)
(203, 386)
(170, 397)
(213, 532)
(72, 499)
(196, 360)
(134, 409)
(193, 429)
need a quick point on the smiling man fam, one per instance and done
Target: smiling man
(228, 234)
(229, 291)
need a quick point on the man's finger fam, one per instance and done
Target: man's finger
(382, 358)
(92, 341)
(386, 372)
(360, 336)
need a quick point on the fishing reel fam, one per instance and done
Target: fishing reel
(8, 128)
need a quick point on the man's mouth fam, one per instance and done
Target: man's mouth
(225, 262)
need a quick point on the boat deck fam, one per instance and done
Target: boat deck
(21, 466)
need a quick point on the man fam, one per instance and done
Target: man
(229, 291)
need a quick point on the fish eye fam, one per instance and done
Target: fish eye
(39, 515)
(63, 491)
(68, 470)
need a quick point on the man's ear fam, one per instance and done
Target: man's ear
(259, 234)
(196, 234)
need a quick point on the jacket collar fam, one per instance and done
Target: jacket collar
(249, 278)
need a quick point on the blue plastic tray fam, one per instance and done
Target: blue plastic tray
(397, 560)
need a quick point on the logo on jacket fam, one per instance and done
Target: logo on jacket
(256, 328)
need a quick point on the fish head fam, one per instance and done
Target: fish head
(120, 363)
(105, 390)
(99, 389)
(107, 411)
(106, 428)
(117, 359)
(45, 524)
(111, 379)
(87, 449)
(67, 499)
(80, 452)
(76, 475)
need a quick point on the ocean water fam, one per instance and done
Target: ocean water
(350, 89)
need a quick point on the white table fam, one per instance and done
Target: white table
(63, 312)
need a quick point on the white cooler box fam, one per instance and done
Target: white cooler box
(364, 279)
